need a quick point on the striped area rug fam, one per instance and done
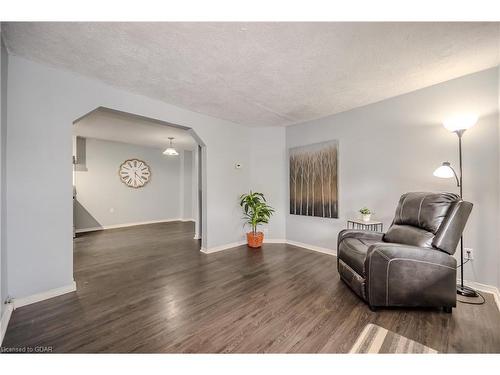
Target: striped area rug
(375, 339)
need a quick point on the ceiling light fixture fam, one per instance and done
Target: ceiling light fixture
(171, 151)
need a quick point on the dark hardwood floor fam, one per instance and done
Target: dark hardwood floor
(149, 289)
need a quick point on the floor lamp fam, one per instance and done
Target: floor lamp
(458, 125)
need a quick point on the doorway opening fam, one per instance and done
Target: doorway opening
(130, 170)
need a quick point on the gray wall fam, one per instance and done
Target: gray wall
(393, 146)
(103, 200)
(3, 138)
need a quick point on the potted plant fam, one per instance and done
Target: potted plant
(366, 214)
(256, 212)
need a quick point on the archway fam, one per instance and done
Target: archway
(198, 156)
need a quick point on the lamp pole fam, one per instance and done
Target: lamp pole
(462, 289)
(458, 125)
(459, 134)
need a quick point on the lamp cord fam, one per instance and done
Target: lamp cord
(473, 303)
(466, 287)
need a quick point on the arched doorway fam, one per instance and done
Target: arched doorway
(106, 124)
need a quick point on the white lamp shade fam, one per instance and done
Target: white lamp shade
(462, 122)
(444, 171)
(170, 152)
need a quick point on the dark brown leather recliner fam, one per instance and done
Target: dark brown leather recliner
(412, 263)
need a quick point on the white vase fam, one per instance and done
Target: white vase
(366, 217)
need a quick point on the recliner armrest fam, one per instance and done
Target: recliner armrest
(405, 275)
(361, 234)
(400, 251)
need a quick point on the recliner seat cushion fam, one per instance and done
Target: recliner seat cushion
(353, 251)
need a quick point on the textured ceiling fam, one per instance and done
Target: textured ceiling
(121, 127)
(262, 74)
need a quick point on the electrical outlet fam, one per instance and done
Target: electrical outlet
(468, 253)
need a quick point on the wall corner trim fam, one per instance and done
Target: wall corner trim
(19, 302)
(4, 322)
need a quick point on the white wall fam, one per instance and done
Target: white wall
(498, 209)
(3, 138)
(268, 165)
(392, 147)
(43, 103)
(103, 200)
(187, 185)
(194, 186)
(196, 193)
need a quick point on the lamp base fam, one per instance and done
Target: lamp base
(466, 291)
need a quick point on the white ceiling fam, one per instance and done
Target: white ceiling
(121, 127)
(262, 74)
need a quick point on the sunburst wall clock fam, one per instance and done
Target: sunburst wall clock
(134, 173)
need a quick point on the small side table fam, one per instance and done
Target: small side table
(372, 225)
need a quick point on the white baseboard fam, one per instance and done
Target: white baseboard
(485, 288)
(115, 226)
(185, 220)
(4, 322)
(274, 240)
(222, 247)
(270, 241)
(19, 302)
(236, 244)
(319, 249)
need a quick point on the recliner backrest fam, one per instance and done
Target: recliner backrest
(433, 220)
(452, 227)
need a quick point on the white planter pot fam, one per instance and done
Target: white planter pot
(366, 217)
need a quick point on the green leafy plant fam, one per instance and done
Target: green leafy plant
(365, 211)
(256, 211)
